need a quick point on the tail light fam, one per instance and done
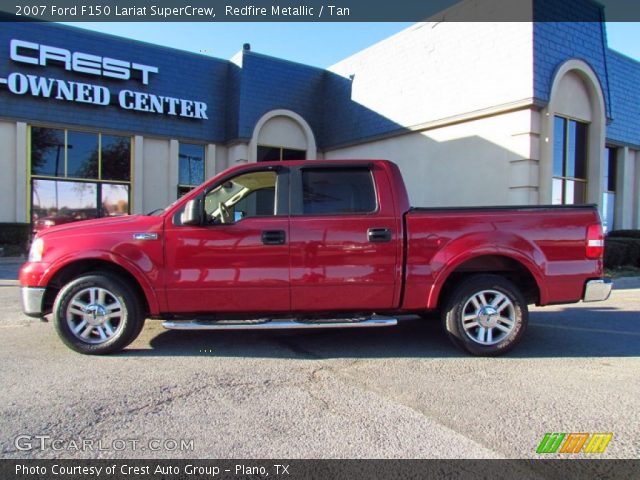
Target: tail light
(595, 241)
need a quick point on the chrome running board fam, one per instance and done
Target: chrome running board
(277, 324)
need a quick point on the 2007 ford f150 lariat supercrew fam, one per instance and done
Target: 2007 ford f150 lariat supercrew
(309, 244)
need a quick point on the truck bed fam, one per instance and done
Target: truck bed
(547, 240)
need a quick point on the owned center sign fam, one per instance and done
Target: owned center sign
(79, 92)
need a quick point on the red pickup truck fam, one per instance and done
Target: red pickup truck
(310, 244)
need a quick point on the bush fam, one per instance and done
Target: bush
(14, 238)
(625, 234)
(621, 251)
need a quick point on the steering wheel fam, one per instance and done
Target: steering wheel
(225, 214)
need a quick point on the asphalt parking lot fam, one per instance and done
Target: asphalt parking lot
(398, 392)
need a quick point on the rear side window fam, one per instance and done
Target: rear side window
(337, 191)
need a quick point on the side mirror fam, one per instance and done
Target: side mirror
(192, 214)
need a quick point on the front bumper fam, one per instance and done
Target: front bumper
(32, 301)
(597, 290)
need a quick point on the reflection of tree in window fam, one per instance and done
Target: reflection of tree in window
(116, 158)
(50, 151)
(82, 155)
(47, 151)
(82, 189)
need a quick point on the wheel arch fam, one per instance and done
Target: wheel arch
(63, 273)
(520, 271)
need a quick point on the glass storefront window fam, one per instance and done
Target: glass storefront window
(82, 155)
(190, 167)
(64, 200)
(61, 161)
(116, 157)
(47, 152)
(115, 200)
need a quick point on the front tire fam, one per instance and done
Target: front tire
(486, 315)
(97, 314)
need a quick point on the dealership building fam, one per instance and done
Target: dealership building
(505, 113)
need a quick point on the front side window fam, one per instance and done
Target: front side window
(248, 195)
(78, 175)
(327, 191)
(191, 167)
(609, 188)
(569, 162)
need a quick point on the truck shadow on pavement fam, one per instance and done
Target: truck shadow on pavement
(572, 332)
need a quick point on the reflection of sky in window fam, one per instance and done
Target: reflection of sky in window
(556, 195)
(571, 150)
(71, 195)
(191, 164)
(82, 155)
(47, 146)
(114, 193)
(558, 147)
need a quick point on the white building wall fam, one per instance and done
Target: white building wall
(157, 189)
(8, 183)
(434, 71)
(634, 156)
(488, 161)
(282, 131)
(625, 204)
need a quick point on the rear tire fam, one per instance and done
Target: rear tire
(486, 315)
(97, 314)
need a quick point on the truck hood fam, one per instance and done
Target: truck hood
(125, 222)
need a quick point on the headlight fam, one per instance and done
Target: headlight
(36, 251)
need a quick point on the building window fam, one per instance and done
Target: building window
(191, 167)
(609, 188)
(569, 161)
(268, 153)
(78, 175)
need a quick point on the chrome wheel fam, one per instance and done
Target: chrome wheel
(485, 315)
(488, 317)
(94, 315)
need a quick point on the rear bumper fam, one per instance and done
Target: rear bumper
(597, 290)
(32, 301)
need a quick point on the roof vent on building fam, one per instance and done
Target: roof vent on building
(246, 47)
